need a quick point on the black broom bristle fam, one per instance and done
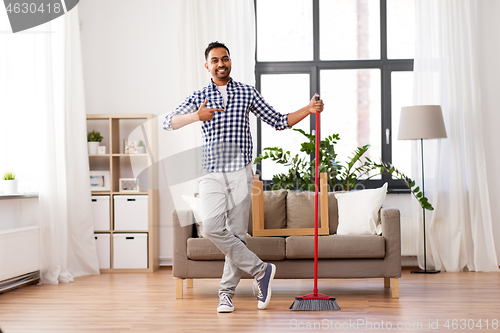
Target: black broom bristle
(301, 304)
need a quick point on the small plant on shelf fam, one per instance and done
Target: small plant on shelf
(141, 148)
(93, 140)
(94, 136)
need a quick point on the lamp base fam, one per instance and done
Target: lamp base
(425, 271)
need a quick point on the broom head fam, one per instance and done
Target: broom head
(314, 302)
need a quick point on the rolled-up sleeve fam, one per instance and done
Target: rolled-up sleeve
(267, 114)
(188, 106)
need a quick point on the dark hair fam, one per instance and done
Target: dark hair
(215, 45)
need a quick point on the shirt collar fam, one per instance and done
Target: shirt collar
(213, 86)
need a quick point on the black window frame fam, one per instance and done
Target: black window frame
(313, 68)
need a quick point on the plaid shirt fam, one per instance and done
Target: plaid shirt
(227, 141)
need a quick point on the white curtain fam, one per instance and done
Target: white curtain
(47, 103)
(201, 22)
(459, 230)
(227, 21)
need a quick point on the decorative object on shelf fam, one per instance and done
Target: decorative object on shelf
(101, 150)
(99, 181)
(129, 185)
(141, 148)
(93, 140)
(9, 183)
(421, 122)
(130, 147)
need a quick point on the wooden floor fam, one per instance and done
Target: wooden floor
(146, 303)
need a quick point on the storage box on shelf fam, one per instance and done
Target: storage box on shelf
(130, 250)
(126, 223)
(100, 210)
(103, 245)
(131, 212)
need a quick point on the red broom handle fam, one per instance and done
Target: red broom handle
(316, 175)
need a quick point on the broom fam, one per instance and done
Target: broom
(315, 301)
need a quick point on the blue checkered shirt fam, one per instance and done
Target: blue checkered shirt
(227, 141)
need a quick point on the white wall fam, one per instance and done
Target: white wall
(129, 55)
(131, 65)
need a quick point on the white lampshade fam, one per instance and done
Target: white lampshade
(421, 122)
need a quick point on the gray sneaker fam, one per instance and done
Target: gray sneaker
(225, 304)
(263, 286)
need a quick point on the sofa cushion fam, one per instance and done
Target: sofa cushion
(300, 210)
(333, 217)
(266, 248)
(336, 247)
(274, 210)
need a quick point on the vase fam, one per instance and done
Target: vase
(93, 147)
(9, 186)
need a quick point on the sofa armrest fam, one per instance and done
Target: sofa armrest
(180, 237)
(391, 231)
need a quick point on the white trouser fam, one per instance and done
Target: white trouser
(225, 205)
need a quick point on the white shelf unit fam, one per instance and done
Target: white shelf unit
(115, 129)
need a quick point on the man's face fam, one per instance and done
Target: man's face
(219, 65)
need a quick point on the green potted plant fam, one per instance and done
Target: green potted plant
(9, 183)
(141, 148)
(341, 176)
(93, 140)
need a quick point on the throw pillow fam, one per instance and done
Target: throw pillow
(333, 215)
(274, 210)
(359, 211)
(300, 210)
(195, 205)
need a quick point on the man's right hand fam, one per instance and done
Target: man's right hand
(206, 114)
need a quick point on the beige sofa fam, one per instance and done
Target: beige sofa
(340, 256)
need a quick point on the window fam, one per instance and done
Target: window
(22, 69)
(357, 54)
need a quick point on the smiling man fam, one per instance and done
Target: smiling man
(225, 186)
